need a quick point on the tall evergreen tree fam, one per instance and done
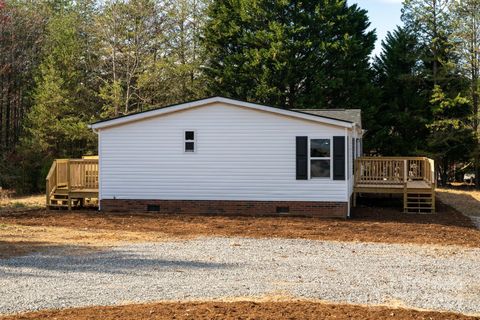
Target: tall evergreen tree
(451, 136)
(56, 125)
(467, 36)
(431, 22)
(402, 115)
(289, 53)
(22, 25)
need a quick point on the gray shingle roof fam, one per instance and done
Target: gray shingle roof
(353, 115)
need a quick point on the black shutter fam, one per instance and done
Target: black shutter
(339, 158)
(302, 158)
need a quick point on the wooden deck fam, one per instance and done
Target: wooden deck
(72, 183)
(413, 177)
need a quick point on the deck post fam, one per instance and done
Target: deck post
(69, 200)
(434, 185)
(47, 187)
(405, 172)
(405, 198)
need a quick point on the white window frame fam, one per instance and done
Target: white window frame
(310, 158)
(185, 141)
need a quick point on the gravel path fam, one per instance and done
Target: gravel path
(441, 278)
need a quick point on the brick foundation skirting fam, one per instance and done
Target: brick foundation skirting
(229, 207)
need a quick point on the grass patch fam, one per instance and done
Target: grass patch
(18, 204)
(9, 202)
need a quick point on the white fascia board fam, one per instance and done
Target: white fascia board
(149, 114)
(193, 104)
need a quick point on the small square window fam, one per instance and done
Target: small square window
(189, 146)
(190, 141)
(189, 135)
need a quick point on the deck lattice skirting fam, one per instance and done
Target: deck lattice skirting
(413, 177)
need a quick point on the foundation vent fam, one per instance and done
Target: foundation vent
(153, 207)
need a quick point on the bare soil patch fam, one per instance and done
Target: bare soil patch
(369, 224)
(274, 310)
(18, 239)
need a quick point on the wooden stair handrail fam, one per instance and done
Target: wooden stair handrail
(51, 181)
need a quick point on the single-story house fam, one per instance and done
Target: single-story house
(220, 155)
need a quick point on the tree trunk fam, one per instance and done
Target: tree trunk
(475, 128)
(443, 171)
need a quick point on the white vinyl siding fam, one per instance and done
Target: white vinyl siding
(356, 136)
(240, 154)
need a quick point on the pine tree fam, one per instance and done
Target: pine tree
(451, 136)
(400, 121)
(467, 47)
(431, 22)
(289, 53)
(56, 125)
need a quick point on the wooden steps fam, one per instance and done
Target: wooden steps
(72, 183)
(419, 201)
(60, 200)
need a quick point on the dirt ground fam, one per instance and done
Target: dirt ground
(16, 239)
(463, 199)
(237, 310)
(31, 230)
(25, 228)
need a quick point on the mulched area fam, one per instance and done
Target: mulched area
(238, 310)
(382, 222)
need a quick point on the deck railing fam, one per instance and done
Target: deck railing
(51, 181)
(393, 170)
(72, 174)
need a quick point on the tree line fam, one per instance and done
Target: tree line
(67, 63)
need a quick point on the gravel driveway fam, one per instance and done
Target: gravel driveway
(441, 278)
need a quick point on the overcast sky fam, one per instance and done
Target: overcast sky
(384, 16)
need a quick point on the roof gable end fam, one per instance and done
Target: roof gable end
(207, 101)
